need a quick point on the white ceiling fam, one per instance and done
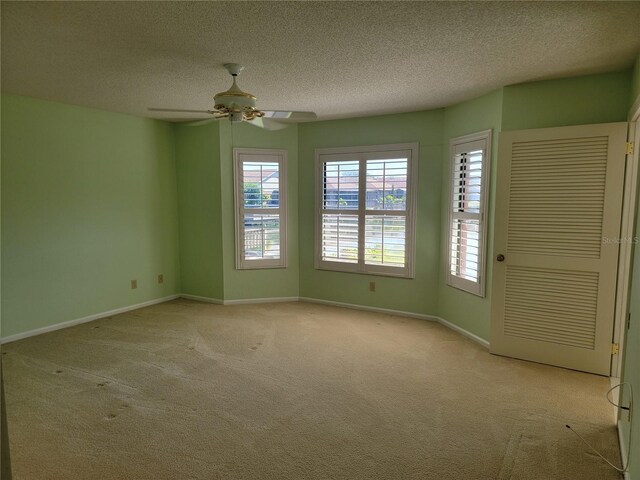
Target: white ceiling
(339, 59)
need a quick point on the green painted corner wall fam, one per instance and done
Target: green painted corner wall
(199, 205)
(569, 101)
(418, 295)
(92, 199)
(204, 157)
(631, 366)
(203, 211)
(471, 312)
(631, 350)
(573, 101)
(258, 283)
(635, 81)
(88, 204)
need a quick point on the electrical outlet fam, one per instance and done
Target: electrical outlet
(372, 286)
(161, 278)
(134, 284)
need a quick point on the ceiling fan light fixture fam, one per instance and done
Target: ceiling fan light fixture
(237, 113)
(236, 117)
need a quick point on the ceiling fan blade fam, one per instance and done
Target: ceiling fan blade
(290, 116)
(199, 123)
(267, 123)
(177, 110)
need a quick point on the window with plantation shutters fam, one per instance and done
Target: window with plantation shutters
(470, 158)
(365, 219)
(261, 206)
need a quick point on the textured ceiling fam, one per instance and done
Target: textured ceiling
(339, 59)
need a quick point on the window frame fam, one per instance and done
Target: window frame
(256, 155)
(362, 154)
(459, 145)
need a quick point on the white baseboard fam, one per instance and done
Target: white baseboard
(466, 333)
(246, 301)
(367, 308)
(240, 301)
(623, 450)
(401, 313)
(198, 298)
(90, 318)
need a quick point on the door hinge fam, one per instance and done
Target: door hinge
(615, 349)
(629, 148)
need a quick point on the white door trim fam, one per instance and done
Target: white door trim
(625, 258)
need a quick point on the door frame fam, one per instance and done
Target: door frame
(601, 364)
(625, 258)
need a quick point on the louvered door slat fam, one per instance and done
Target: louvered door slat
(524, 300)
(556, 186)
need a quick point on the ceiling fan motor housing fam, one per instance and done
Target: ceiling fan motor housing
(237, 104)
(235, 99)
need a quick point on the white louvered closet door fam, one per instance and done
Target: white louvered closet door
(558, 207)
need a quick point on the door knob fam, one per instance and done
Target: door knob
(500, 258)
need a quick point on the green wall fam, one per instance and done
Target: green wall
(631, 367)
(107, 163)
(581, 100)
(418, 295)
(631, 351)
(88, 204)
(91, 200)
(204, 157)
(553, 103)
(259, 283)
(635, 81)
(199, 202)
(590, 99)
(568, 101)
(471, 312)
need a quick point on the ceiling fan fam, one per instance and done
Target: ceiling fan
(239, 106)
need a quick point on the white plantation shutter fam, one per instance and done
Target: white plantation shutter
(365, 219)
(467, 220)
(385, 240)
(340, 190)
(260, 191)
(386, 211)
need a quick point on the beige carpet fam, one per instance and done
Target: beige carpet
(295, 391)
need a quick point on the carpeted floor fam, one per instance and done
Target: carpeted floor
(186, 390)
